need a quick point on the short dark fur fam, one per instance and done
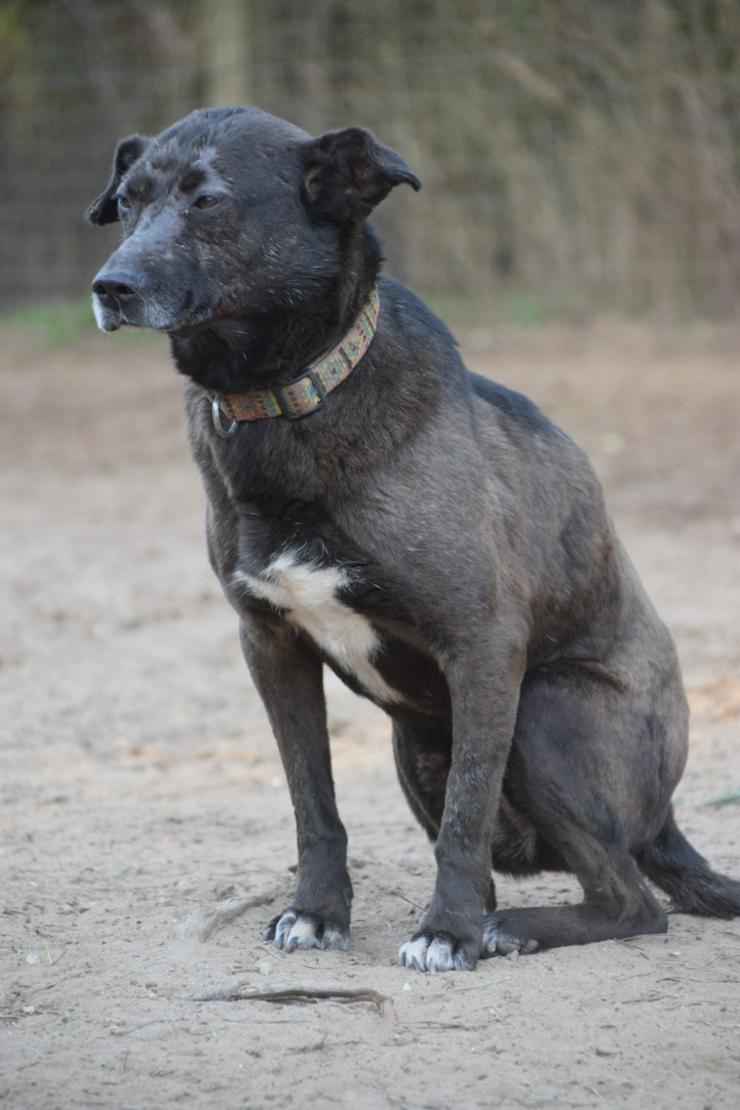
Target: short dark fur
(541, 721)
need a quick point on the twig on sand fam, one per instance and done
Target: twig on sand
(51, 986)
(143, 1025)
(409, 902)
(301, 995)
(630, 942)
(202, 922)
(444, 1025)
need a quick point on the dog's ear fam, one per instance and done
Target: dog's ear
(346, 173)
(104, 209)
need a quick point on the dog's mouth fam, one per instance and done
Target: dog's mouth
(109, 319)
(112, 317)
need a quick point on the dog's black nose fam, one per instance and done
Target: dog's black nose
(116, 288)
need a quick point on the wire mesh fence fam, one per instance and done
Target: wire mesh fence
(581, 153)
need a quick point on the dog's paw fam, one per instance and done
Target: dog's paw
(500, 940)
(293, 929)
(434, 952)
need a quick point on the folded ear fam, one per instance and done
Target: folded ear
(104, 209)
(346, 173)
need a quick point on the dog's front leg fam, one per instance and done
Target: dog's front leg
(288, 675)
(484, 707)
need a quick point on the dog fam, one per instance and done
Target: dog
(375, 507)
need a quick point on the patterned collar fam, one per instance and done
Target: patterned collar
(307, 392)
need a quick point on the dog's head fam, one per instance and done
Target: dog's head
(230, 213)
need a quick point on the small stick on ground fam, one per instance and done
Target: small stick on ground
(301, 995)
(202, 922)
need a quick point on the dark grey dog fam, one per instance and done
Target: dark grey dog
(427, 534)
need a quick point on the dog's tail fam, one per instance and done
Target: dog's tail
(676, 867)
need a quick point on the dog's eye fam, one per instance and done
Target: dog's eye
(124, 202)
(206, 202)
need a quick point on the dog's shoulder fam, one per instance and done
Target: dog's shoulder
(408, 316)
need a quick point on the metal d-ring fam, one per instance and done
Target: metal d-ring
(217, 414)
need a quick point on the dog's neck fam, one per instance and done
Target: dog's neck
(272, 348)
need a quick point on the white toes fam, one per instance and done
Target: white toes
(434, 953)
(302, 935)
(283, 927)
(440, 956)
(413, 954)
(333, 938)
(294, 930)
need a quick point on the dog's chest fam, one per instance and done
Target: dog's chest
(310, 597)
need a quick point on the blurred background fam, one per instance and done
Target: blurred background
(578, 156)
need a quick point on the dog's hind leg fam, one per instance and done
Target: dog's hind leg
(571, 773)
(616, 902)
(422, 749)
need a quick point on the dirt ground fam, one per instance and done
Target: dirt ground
(141, 796)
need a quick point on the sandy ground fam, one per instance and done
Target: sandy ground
(140, 789)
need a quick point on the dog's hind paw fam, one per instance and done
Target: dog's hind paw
(293, 929)
(434, 952)
(500, 941)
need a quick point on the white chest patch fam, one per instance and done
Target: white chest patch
(308, 594)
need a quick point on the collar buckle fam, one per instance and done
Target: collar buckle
(318, 385)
